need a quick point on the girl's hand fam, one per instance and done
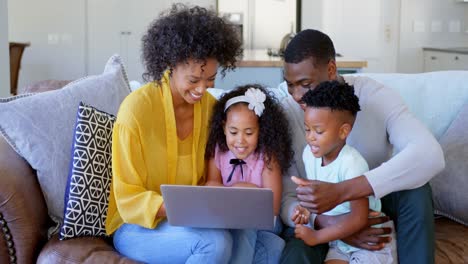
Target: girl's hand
(300, 216)
(306, 234)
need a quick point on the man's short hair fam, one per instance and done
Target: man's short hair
(310, 43)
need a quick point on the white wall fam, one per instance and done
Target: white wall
(265, 22)
(4, 55)
(66, 45)
(425, 15)
(357, 29)
(312, 14)
(55, 29)
(382, 32)
(242, 7)
(272, 21)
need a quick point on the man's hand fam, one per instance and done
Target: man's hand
(371, 238)
(300, 216)
(317, 196)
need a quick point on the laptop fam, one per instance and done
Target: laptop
(218, 207)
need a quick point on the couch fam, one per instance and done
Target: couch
(24, 220)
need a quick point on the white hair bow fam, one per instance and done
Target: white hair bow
(254, 97)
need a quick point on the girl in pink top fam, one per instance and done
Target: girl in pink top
(250, 146)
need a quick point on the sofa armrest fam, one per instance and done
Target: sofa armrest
(23, 213)
(81, 250)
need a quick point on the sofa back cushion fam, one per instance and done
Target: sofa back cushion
(449, 187)
(434, 97)
(40, 126)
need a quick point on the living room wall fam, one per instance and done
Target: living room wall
(399, 46)
(55, 29)
(71, 39)
(426, 13)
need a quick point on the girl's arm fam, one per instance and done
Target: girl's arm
(348, 225)
(271, 176)
(213, 174)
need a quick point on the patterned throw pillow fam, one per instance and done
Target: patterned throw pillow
(89, 179)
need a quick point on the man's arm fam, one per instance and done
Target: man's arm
(289, 199)
(419, 156)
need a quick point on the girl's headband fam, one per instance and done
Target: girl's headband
(254, 97)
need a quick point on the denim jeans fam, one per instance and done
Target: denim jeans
(413, 214)
(173, 244)
(257, 246)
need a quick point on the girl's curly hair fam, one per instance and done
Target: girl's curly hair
(274, 139)
(183, 33)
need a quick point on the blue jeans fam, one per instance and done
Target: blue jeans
(412, 212)
(173, 244)
(257, 246)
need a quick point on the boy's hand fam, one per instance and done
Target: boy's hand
(306, 234)
(300, 216)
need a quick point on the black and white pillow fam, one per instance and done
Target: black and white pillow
(89, 178)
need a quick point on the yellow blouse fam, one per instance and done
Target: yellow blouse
(146, 154)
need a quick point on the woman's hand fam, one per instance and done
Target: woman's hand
(371, 238)
(300, 216)
(161, 212)
(317, 196)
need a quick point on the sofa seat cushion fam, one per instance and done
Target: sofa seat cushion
(451, 241)
(80, 250)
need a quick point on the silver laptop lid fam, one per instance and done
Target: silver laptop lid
(218, 207)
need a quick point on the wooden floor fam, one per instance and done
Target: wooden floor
(451, 242)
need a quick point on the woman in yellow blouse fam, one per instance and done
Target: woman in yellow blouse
(160, 137)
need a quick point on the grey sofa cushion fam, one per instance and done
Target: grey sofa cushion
(40, 126)
(449, 187)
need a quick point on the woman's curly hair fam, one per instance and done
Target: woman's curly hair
(183, 33)
(274, 139)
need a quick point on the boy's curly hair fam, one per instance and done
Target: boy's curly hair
(274, 138)
(335, 95)
(183, 33)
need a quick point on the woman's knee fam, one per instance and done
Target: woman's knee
(217, 243)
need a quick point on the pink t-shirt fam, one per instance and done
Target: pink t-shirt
(252, 170)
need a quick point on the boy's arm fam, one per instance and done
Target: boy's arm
(347, 225)
(213, 174)
(370, 238)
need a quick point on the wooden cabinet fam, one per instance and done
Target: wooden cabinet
(443, 61)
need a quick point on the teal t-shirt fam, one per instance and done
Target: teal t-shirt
(349, 164)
